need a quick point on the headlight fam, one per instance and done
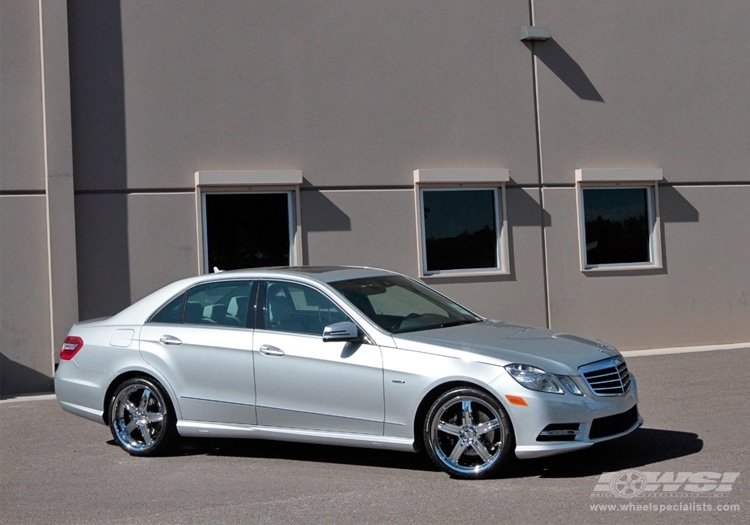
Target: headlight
(534, 378)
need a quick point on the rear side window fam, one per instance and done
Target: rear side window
(224, 303)
(171, 313)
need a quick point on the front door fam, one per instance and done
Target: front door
(303, 382)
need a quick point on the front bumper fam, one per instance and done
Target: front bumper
(552, 424)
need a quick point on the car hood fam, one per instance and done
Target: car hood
(558, 353)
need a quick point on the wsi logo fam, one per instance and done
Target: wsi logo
(632, 483)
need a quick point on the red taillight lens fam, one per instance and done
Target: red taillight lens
(70, 347)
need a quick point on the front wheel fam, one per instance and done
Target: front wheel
(467, 433)
(141, 417)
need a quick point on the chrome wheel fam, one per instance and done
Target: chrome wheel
(140, 417)
(467, 433)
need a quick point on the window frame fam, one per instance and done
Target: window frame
(459, 180)
(250, 182)
(647, 179)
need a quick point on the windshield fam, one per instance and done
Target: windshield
(398, 304)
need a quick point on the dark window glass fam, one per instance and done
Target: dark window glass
(247, 230)
(222, 303)
(299, 309)
(171, 313)
(617, 225)
(460, 229)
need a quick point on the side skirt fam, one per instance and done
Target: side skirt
(221, 430)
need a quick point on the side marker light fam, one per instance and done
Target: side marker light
(516, 400)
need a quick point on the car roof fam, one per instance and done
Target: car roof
(325, 274)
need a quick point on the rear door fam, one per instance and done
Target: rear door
(202, 344)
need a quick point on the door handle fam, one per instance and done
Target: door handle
(169, 340)
(271, 350)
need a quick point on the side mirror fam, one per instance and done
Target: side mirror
(344, 331)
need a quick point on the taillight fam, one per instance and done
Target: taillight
(70, 347)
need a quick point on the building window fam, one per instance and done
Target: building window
(249, 218)
(618, 219)
(460, 229)
(461, 221)
(248, 230)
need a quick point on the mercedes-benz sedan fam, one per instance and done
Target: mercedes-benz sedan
(341, 356)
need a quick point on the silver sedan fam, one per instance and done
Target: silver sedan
(341, 356)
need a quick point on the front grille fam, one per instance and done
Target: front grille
(613, 425)
(607, 378)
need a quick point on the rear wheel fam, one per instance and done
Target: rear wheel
(467, 433)
(141, 417)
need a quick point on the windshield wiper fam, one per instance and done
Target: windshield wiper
(459, 323)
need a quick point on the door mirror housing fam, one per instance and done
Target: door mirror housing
(344, 331)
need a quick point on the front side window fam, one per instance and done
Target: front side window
(296, 308)
(618, 226)
(247, 230)
(461, 229)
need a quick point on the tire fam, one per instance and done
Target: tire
(141, 417)
(467, 433)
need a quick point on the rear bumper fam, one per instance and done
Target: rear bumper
(80, 391)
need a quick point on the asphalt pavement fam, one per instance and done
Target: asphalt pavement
(689, 463)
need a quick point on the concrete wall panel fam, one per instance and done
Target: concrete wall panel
(26, 363)
(338, 228)
(21, 131)
(646, 84)
(162, 240)
(355, 93)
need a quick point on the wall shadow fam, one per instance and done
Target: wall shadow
(524, 210)
(557, 60)
(673, 207)
(16, 378)
(321, 215)
(97, 92)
